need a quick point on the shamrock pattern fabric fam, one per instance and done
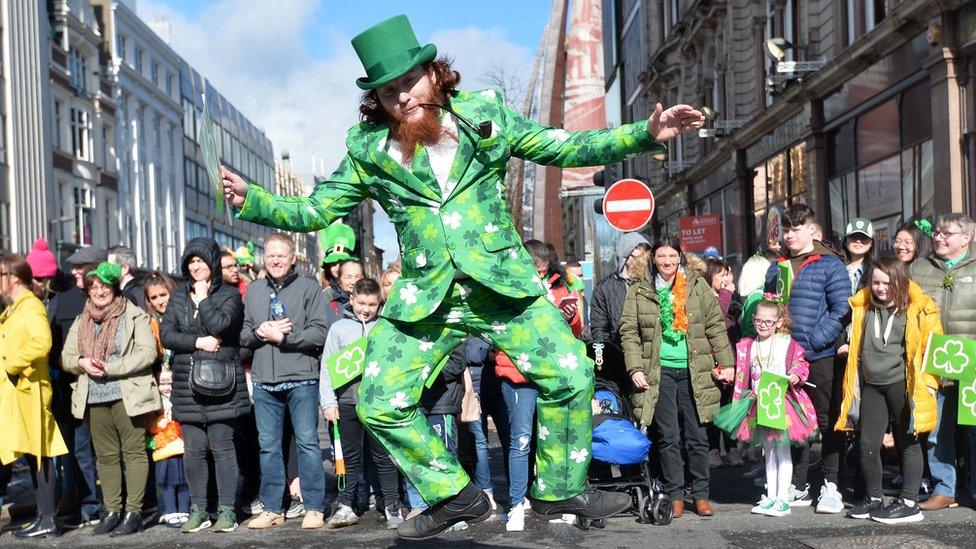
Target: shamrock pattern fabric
(470, 228)
(400, 357)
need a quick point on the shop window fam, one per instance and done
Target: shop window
(916, 115)
(799, 170)
(877, 133)
(840, 147)
(879, 189)
(778, 178)
(843, 203)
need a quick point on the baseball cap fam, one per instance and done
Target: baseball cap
(711, 252)
(860, 225)
(87, 255)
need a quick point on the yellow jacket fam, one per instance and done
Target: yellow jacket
(923, 319)
(27, 425)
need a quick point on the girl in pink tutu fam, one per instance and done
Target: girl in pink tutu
(775, 351)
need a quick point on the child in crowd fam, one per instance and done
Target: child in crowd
(339, 406)
(772, 350)
(885, 378)
(166, 444)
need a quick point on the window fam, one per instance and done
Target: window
(170, 84)
(78, 67)
(106, 148)
(155, 74)
(120, 41)
(189, 174)
(84, 205)
(189, 130)
(58, 122)
(874, 13)
(138, 63)
(80, 127)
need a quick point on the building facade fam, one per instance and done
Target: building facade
(874, 119)
(83, 120)
(145, 71)
(27, 207)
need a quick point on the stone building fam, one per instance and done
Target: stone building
(870, 114)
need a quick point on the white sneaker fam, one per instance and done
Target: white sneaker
(762, 508)
(344, 516)
(779, 509)
(732, 458)
(256, 507)
(830, 500)
(715, 459)
(516, 518)
(296, 510)
(491, 500)
(800, 498)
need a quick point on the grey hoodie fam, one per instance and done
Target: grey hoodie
(626, 245)
(342, 333)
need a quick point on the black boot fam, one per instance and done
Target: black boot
(45, 527)
(129, 525)
(591, 504)
(470, 504)
(108, 523)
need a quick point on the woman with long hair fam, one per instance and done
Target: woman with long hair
(886, 378)
(912, 240)
(676, 350)
(28, 427)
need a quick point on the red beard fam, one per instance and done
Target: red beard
(426, 131)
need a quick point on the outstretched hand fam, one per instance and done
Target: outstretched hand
(666, 124)
(235, 188)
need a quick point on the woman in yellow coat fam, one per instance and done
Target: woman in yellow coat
(27, 427)
(885, 377)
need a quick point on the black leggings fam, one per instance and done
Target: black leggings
(355, 441)
(881, 405)
(219, 437)
(827, 375)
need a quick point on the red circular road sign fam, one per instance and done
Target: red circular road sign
(628, 205)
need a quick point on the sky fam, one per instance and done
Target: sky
(289, 67)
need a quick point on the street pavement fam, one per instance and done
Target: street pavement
(732, 526)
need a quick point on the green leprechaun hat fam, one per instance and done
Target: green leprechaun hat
(108, 273)
(388, 50)
(337, 241)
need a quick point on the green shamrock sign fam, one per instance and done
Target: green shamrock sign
(346, 365)
(771, 401)
(966, 414)
(950, 356)
(784, 280)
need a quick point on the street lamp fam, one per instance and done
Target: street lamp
(776, 49)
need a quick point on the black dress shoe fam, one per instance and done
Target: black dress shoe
(129, 525)
(45, 527)
(591, 504)
(470, 505)
(108, 523)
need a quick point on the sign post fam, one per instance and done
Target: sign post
(628, 205)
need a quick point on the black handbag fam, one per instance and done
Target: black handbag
(212, 378)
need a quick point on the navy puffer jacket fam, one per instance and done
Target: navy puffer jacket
(818, 301)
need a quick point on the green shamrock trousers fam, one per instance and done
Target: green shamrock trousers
(401, 356)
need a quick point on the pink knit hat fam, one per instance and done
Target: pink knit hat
(41, 260)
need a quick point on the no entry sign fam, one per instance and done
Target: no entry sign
(628, 205)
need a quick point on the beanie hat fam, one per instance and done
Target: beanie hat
(41, 260)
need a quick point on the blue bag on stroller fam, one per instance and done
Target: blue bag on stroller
(615, 439)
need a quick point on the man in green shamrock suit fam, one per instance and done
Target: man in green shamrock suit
(438, 172)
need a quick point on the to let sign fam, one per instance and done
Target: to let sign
(628, 205)
(698, 232)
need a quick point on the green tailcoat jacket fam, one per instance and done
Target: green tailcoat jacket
(468, 229)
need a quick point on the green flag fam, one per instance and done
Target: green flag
(771, 401)
(346, 365)
(950, 356)
(436, 372)
(784, 281)
(210, 151)
(966, 414)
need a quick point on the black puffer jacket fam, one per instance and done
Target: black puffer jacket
(221, 315)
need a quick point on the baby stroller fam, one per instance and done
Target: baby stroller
(620, 458)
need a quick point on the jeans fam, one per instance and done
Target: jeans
(942, 443)
(676, 418)
(303, 408)
(446, 428)
(482, 472)
(878, 404)
(218, 437)
(520, 400)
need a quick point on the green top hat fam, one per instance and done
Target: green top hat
(337, 240)
(388, 50)
(108, 273)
